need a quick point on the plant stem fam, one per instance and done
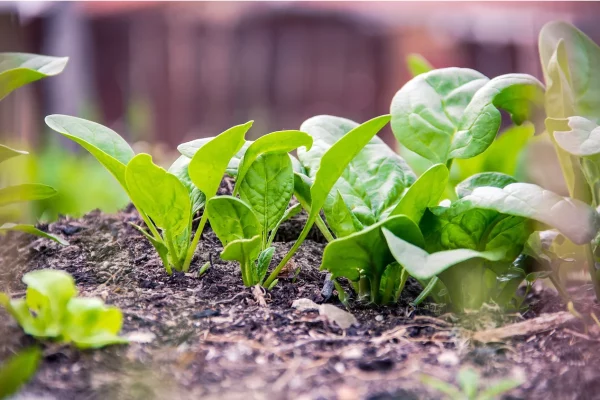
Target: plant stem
(192, 248)
(323, 228)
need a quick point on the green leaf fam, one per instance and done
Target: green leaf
(19, 69)
(341, 219)
(454, 112)
(417, 64)
(210, 161)
(275, 142)
(302, 184)
(91, 324)
(32, 230)
(25, 192)
(573, 218)
(263, 262)
(159, 194)
(425, 192)
(372, 182)
(231, 219)
(441, 386)
(366, 253)
(423, 266)
(494, 179)
(110, 149)
(6, 153)
(576, 63)
(189, 149)
(582, 139)
(245, 251)
(268, 187)
(499, 388)
(331, 166)
(17, 370)
(180, 169)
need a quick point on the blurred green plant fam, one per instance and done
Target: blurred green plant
(470, 386)
(17, 370)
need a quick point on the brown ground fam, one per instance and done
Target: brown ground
(212, 340)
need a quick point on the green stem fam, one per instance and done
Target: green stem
(192, 248)
(363, 288)
(323, 228)
(375, 294)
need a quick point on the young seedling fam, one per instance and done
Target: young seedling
(470, 387)
(16, 70)
(17, 370)
(51, 310)
(166, 200)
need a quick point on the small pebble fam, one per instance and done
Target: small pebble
(379, 318)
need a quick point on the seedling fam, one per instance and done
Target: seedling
(166, 200)
(17, 370)
(470, 387)
(51, 310)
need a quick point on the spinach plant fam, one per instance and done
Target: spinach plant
(473, 244)
(572, 104)
(165, 200)
(16, 70)
(51, 310)
(265, 182)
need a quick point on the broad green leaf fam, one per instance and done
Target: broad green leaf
(302, 184)
(263, 262)
(331, 166)
(341, 219)
(91, 324)
(210, 161)
(417, 64)
(422, 265)
(464, 226)
(17, 370)
(25, 192)
(268, 187)
(190, 148)
(372, 182)
(573, 218)
(425, 192)
(159, 194)
(494, 179)
(110, 149)
(32, 230)
(582, 139)
(366, 253)
(6, 153)
(19, 69)
(454, 112)
(231, 219)
(275, 142)
(180, 169)
(577, 65)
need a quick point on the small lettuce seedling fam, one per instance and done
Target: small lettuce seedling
(16, 70)
(50, 310)
(165, 200)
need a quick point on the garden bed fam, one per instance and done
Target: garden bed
(209, 337)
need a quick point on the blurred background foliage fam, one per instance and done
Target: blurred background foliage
(161, 73)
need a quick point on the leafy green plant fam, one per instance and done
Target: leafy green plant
(472, 244)
(166, 200)
(469, 386)
(16, 70)
(265, 182)
(17, 370)
(572, 104)
(51, 310)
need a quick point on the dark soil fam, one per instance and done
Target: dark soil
(209, 338)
